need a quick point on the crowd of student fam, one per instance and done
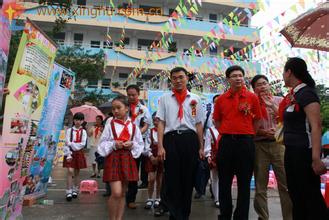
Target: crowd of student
(178, 144)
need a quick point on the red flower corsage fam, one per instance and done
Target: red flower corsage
(193, 105)
(245, 108)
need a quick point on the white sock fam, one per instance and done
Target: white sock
(69, 191)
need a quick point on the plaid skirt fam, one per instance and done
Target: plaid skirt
(78, 160)
(120, 166)
(149, 167)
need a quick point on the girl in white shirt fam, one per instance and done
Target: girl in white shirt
(120, 143)
(74, 158)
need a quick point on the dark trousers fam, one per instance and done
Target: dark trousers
(180, 168)
(202, 177)
(236, 156)
(144, 175)
(304, 185)
(132, 187)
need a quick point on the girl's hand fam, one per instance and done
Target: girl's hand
(318, 167)
(118, 145)
(154, 160)
(127, 145)
(209, 160)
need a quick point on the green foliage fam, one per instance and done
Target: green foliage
(324, 106)
(82, 62)
(60, 20)
(115, 84)
(13, 47)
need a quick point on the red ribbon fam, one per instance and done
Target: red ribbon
(180, 97)
(124, 136)
(78, 135)
(132, 111)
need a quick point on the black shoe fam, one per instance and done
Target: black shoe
(159, 212)
(69, 197)
(197, 195)
(142, 186)
(75, 195)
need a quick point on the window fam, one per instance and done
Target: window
(147, 77)
(172, 47)
(78, 39)
(213, 18)
(107, 45)
(171, 10)
(147, 9)
(95, 44)
(198, 18)
(144, 44)
(92, 83)
(82, 2)
(187, 52)
(213, 50)
(123, 75)
(60, 38)
(126, 41)
(106, 82)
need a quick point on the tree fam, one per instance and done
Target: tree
(85, 64)
(324, 99)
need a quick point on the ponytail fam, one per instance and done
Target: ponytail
(299, 68)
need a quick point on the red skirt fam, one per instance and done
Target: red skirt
(120, 166)
(149, 167)
(78, 160)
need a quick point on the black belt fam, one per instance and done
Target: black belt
(238, 136)
(180, 132)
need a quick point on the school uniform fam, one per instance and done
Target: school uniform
(76, 139)
(119, 163)
(181, 144)
(210, 150)
(152, 150)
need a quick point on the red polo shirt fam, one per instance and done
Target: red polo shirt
(236, 112)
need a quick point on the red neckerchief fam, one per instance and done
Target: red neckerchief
(263, 107)
(97, 130)
(78, 135)
(124, 136)
(133, 111)
(180, 97)
(155, 129)
(288, 100)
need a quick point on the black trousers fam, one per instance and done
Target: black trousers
(132, 187)
(180, 169)
(144, 175)
(202, 177)
(304, 185)
(236, 156)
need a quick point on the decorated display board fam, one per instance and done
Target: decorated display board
(44, 141)
(28, 85)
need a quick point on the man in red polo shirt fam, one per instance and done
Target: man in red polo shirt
(236, 116)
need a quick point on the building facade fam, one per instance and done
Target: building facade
(127, 31)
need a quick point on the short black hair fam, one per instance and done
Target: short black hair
(178, 69)
(154, 114)
(233, 68)
(256, 78)
(121, 99)
(133, 86)
(100, 117)
(213, 98)
(78, 116)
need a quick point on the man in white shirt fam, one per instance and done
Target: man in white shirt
(180, 143)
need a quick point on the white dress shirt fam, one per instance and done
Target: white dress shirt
(107, 143)
(168, 112)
